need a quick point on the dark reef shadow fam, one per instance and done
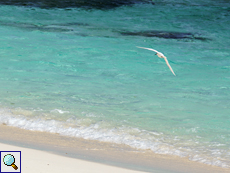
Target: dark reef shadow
(164, 34)
(86, 4)
(71, 28)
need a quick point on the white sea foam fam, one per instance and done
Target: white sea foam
(134, 137)
(59, 111)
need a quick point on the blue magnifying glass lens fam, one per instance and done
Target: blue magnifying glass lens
(8, 159)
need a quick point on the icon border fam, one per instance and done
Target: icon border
(20, 171)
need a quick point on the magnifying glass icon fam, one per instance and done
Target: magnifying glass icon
(9, 160)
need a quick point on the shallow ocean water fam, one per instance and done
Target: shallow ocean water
(78, 72)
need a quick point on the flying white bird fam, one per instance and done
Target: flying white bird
(160, 55)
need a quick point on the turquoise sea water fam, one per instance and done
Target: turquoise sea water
(78, 72)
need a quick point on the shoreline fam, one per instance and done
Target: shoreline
(104, 155)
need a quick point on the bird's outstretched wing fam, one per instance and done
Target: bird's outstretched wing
(168, 65)
(148, 49)
(161, 56)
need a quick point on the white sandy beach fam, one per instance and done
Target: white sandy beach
(39, 161)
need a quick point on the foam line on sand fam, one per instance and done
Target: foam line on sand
(47, 152)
